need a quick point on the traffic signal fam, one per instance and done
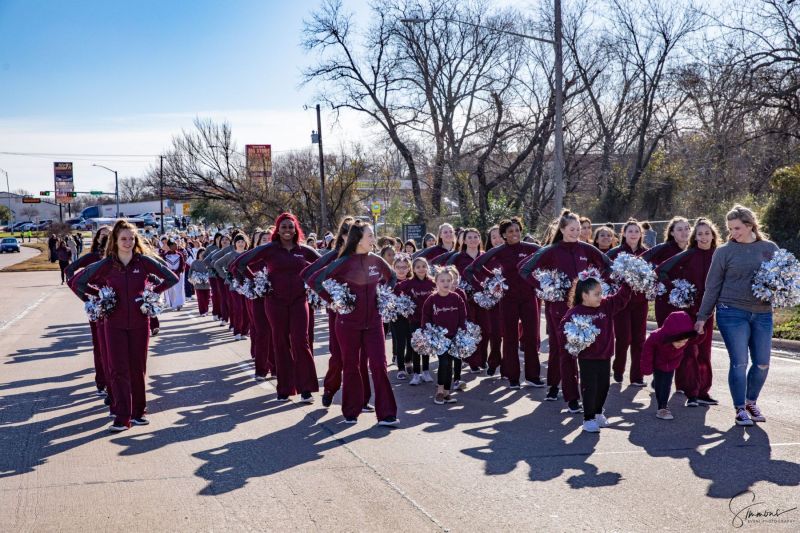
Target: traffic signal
(73, 195)
(44, 193)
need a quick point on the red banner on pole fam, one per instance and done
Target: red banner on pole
(259, 160)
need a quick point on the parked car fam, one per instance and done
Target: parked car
(19, 225)
(9, 244)
(28, 226)
(44, 224)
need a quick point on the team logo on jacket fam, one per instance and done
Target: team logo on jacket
(373, 271)
(135, 270)
(583, 258)
(437, 310)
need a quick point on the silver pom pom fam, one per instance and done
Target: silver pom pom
(682, 294)
(261, 283)
(777, 280)
(150, 301)
(342, 300)
(580, 332)
(465, 341)
(493, 290)
(638, 274)
(553, 284)
(430, 340)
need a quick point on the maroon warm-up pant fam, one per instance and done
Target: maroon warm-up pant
(260, 338)
(630, 329)
(495, 337)
(203, 296)
(663, 309)
(293, 358)
(99, 367)
(333, 378)
(229, 304)
(248, 306)
(103, 343)
(694, 376)
(513, 311)
(479, 316)
(215, 303)
(127, 350)
(372, 343)
(239, 317)
(224, 311)
(561, 366)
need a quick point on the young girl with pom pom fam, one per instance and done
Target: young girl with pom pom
(401, 328)
(662, 354)
(445, 308)
(418, 288)
(594, 362)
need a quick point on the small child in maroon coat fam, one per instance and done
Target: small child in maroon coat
(662, 354)
(446, 309)
(594, 361)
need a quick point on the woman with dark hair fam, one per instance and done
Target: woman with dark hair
(603, 239)
(630, 324)
(125, 269)
(333, 378)
(410, 247)
(102, 374)
(64, 257)
(570, 256)
(212, 280)
(518, 305)
(287, 306)
(361, 331)
(694, 374)
(493, 240)
(238, 312)
(676, 238)
(445, 245)
(428, 240)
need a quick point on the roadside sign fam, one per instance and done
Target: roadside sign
(62, 173)
(414, 231)
(376, 209)
(96, 193)
(259, 160)
(31, 200)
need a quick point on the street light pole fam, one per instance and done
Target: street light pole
(317, 138)
(559, 188)
(8, 187)
(116, 184)
(161, 190)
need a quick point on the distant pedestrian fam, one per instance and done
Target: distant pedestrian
(52, 242)
(649, 234)
(64, 257)
(72, 247)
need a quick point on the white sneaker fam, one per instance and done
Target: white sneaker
(402, 375)
(459, 385)
(591, 426)
(237, 337)
(416, 379)
(426, 377)
(215, 317)
(601, 420)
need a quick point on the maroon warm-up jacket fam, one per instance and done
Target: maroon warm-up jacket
(418, 290)
(506, 257)
(461, 260)
(128, 283)
(82, 262)
(284, 267)
(603, 318)
(693, 266)
(658, 351)
(449, 312)
(361, 273)
(570, 258)
(435, 254)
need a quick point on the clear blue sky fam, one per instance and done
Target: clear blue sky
(124, 76)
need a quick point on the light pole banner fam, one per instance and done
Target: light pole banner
(259, 160)
(64, 184)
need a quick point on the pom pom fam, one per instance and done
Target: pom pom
(682, 294)
(465, 341)
(553, 284)
(261, 283)
(386, 303)
(493, 290)
(777, 281)
(580, 332)
(638, 274)
(151, 304)
(93, 310)
(199, 278)
(430, 340)
(315, 303)
(342, 300)
(468, 289)
(106, 301)
(405, 305)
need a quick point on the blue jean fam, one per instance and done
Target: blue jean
(746, 335)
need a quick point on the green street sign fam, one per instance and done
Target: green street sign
(95, 193)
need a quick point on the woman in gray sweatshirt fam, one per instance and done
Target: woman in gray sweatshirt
(744, 321)
(201, 288)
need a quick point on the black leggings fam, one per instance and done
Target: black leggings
(662, 383)
(401, 342)
(62, 265)
(445, 373)
(594, 385)
(415, 357)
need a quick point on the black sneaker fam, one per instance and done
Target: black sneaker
(116, 428)
(350, 421)
(389, 421)
(638, 383)
(536, 382)
(282, 399)
(306, 397)
(692, 402)
(107, 400)
(552, 395)
(101, 393)
(617, 378)
(707, 400)
(513, 385)
(154, 332)
(368, 408)
(574, 407)
(141, 421)
(327, 399)
(490, 371)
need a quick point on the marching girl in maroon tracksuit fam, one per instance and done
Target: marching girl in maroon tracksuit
(630, 324)
(238, 311)
(519, 303)
(401, 327)
(446, 309)
(218, 286)
(202, 290)
(495, 333)
(212, 280)
(676, 238)
(333, 377)
(568, 255)
(595, 360)
(361, 331)
(102, 377)
(287, 307)
(694, 374)
(471, 249)
(261, 349)
(445, 245)
(125, 269)
(418, 288)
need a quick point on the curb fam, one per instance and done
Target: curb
(780, 344)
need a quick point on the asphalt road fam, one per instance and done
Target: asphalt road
(220, 455)
(9, 258)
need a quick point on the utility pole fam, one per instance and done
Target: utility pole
(116, 184)
(559, 186)
(10, 212)
(322, 199)
(161, 189)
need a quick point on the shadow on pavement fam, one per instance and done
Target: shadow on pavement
(68, 340)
